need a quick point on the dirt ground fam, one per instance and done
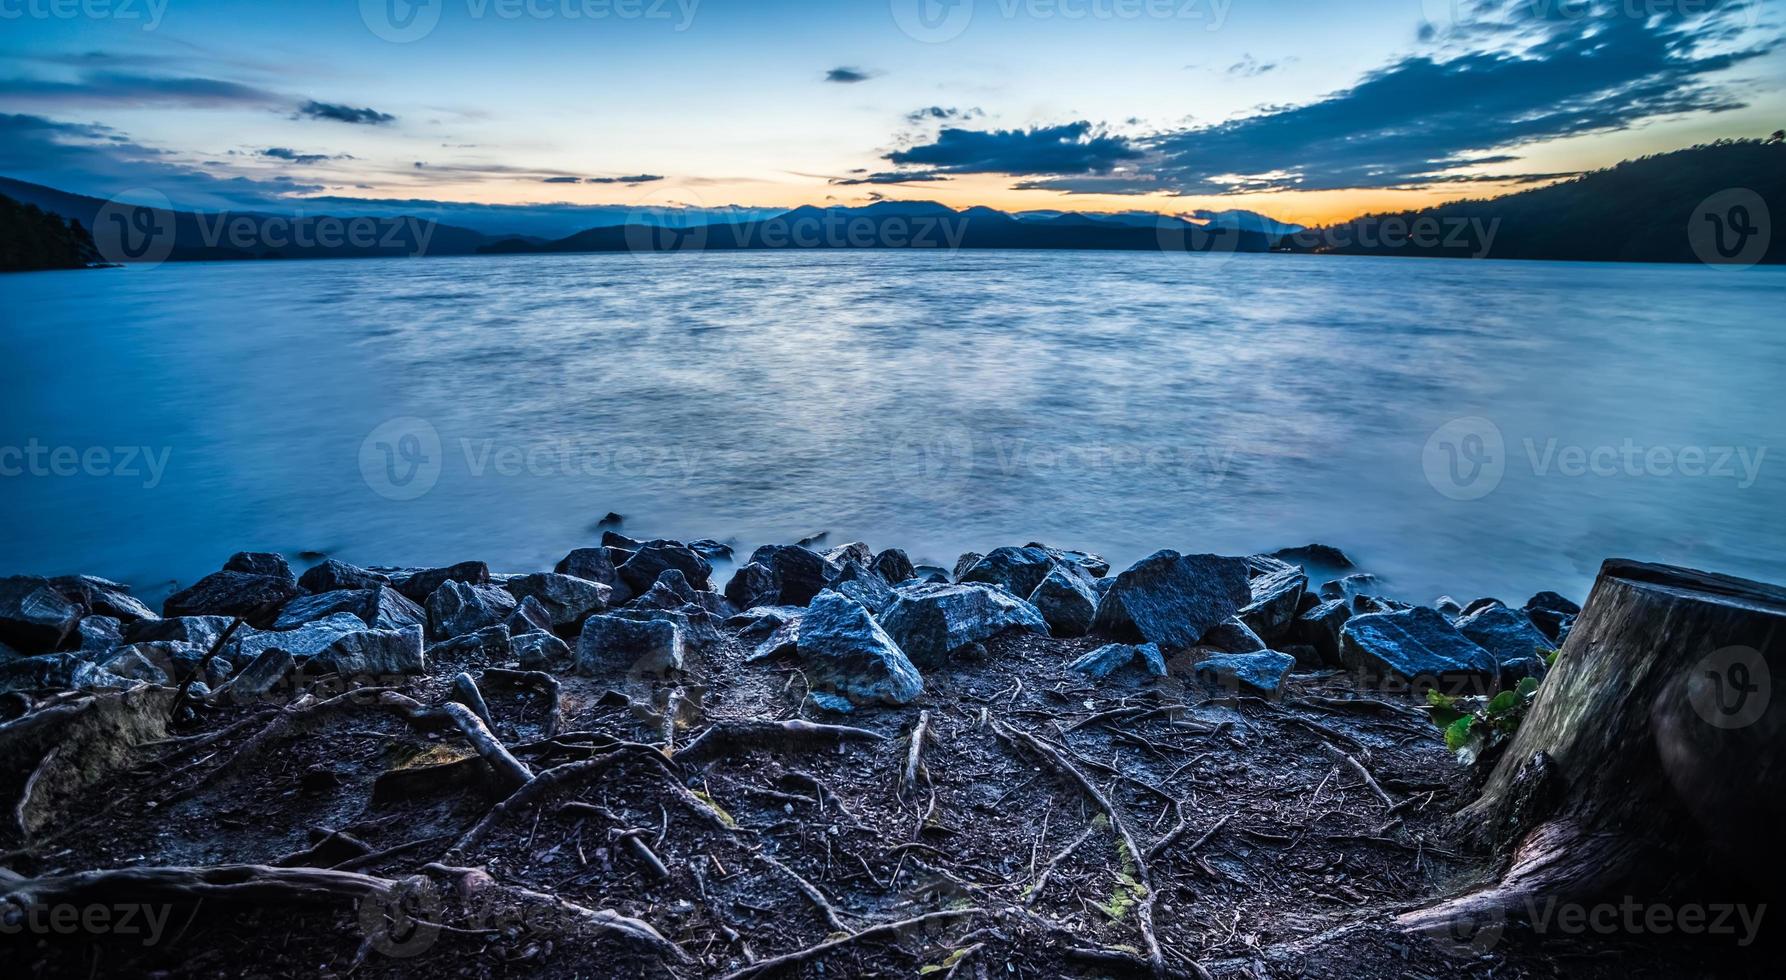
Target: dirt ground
(750, 847)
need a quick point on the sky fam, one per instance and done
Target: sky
(1307, 110)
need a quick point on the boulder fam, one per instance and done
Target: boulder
(1233, 635)
(1094, 566)
(1418, 647)
(610, 646)
(930, 622)
(1122, 661)
(1320, 628)
(1276, 598)
(798, 573)
(1553, 615)
(378, 607)
(259, 678)
(593, 565)
(1510, 635)
(967, 560)
(893, 565)
(256, 598)
(1260, 673)
(102, 597)
(1017, 570)
(260, 563)
(100, 633)
(1553, 601)
(1320, 555)
(34, 616)
(334, 576)
(1448, 607)
(540, 651)
(303, 641)
(753, 585)
(1477, 605)
(375, 653)
(200, 631)
(58, 672)
(1066, 601)
(529, 617)
(566, 599)
(456, 608)
(614, 539)
(855, 551)
(933, 574)
(845, 652)
(490, 645)
(419, 585)
(768, 631)
(1173, 599)
(132, 663)
(653, 557)
(864, 586)
(673, 591)
(711, 550)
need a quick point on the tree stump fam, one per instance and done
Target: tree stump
(1653, 762)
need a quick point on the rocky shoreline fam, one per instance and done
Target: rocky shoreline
(664, 759)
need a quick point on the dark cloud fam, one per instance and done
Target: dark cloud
(563, 180)
(844, 75)
(891, 177)
(1071, 148)
(111, 88)
(634, 179)
(346, 114)
(290, 155)
(937, 113)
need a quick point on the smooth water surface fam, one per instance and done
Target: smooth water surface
(434, 410)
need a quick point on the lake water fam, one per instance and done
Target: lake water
(1464, 427)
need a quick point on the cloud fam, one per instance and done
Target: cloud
(562, 180)
(891, 177)
(1251, 67)
(290, 155)
(346, 114)
(941, 113)
(844, 75)
(1070, 148)
(634, 179)
(111, 88)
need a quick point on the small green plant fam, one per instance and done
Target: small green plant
(1474, 725)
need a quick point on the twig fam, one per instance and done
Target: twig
(465, 691)
(811, 891)
(1035, 890)
(915, 751)
(872, 932)
(1364, 774)
(173, 710)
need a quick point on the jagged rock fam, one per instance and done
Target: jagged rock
(855, 551)
(1477, 605)
(1448, 607)
(711, 550)
(1551, 600)
(799, 574)
(653, 557)
(1233, 635)
(699, 629)
(1306, 657)
(1017, 570)
(1173, 599)
(967, 560)
(1093, 565)
(768, 630)
(260, 563)
(930, 622)
(1357, 583)
(34, 616)
(753, 585)
(1511, 636)
(1122, 661)
(100, 633)
(378, 607)
(419, 585)
(864, 586)
(593, 565)
(58, 672)
(102, 597)
(200, 631)
(1333, 589)
(1377, 604)
(132, 663)
(1260, 673)
(256, 598)
(171, 660)
(845, 652)
(614, 539)
(529, 617)
(491, 644)
(893, 566)
(1276, 597)
(610, 646)
(672, 590)
(540, 651)
(375, 653)
(456, 608)
(566, 599)
(1320, 628)
(1553, 614)
(1417, 646)
(334, 576)
(933, 574)
(1066, 601)
(260, 677)
(303, 641)
(1324, 556)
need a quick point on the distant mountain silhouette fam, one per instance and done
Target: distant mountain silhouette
(124, 233)
(32, 238)
(911, 224)
(1691, 205)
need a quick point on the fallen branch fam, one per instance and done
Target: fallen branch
(914, 753)
(465, 691)
(198, 670)
(510, 772)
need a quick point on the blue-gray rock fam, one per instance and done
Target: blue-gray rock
(374, 654)
(132, 663)
(1016, 570)
(672, 590)
(100, 633)
(566, 599)
(58, 672)
(931, 622)
(845, 652)
(798, 574)
(1510, 635)
(835, 703)
(753, 585)
(1173, 599)
(258, 679)
(893, 565)
(417, 586)
(932, 574)
(1418, 647)
(200, 631)
(378, 607)
(1066, 601)
(855, 552)
(1094, 566)
(540, 651)
(1233, 635)
(529, 617)
(491, 645)
(303, 641)
(33, 616)
(102, 597)
(653, 557)
(611, 646)
(1448, 607)
(1553, 614)
(967, 560)
(1477, 605)
(335, 576)
(865, 586)
(1319, 555)
(255, 598)
(1320, 628)
(1122, 661)
(1551, 600)
(1259, 673)
(713, 551)
(456, 608)
(594, 565)
(1276, 597)
(260, 563)
(769, 631)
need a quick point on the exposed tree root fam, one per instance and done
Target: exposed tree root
(888, 929)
